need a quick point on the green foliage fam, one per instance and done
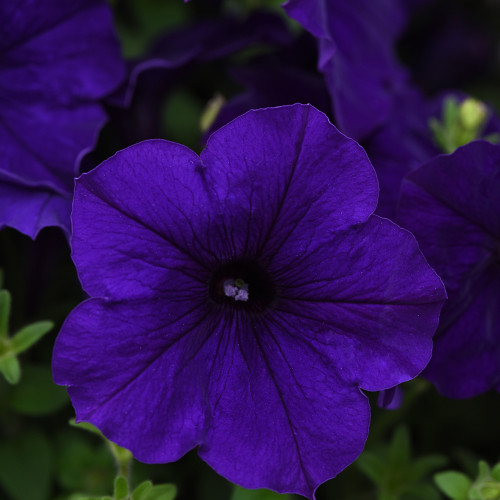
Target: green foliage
(182, 113)
(26, 465)
(121, 488)
(140, 22)
(10, 368)
(454, 484)
(242, 494)
(458, 486)
(36, 394)
(461, 123)
(160, 492)
(10, 347)
(123, 458)
(396, 474)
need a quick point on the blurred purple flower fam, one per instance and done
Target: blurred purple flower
(357, 56)
(452, 204)
(176, 58)
(239, 301)
(406, 142)
(263, 78)
(57, 58)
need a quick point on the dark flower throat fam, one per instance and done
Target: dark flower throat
(261, 290)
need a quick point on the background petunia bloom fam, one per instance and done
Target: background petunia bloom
(57, 58)
(241, 299)
(452, 204)
(357, 56)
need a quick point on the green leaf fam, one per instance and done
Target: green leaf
(140, 492)
(162, 492)
(26, 464)
(372, 466)
(243, 494)
(495, 472)
(144, 21)
(422, 467)
(484, 470)
(9, 366)
(454, 484)
(420, 492)
(37, 394)
(28, 335)
(5, 301)
(120, 488)
(87, 426)
(82, 464)
(399, 451)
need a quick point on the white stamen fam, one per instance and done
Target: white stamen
(236, 289)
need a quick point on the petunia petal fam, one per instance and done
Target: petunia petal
(452, 206)
(138, 371)
(153, 202)
(88, 63)
(19, 203)
(293, 176)
(358, 295)
(466, 356)
(357, 55)
(56, 60)
(280, 417)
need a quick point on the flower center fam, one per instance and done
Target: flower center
(237, 289)
(242, 283)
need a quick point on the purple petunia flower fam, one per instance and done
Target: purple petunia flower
(406, 142)
(241, 299)
(357, 56)
(452, 204)
(57, 58)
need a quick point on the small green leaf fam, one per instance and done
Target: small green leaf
(162, 492)
(121, 488)
(454, 484)
(422, 467)
(140, 492)
(9, 366)
(243, 494)
(484, 470)
(5, 300)
(495, 472)
(28, 335)
(399, 451)
(87, 426)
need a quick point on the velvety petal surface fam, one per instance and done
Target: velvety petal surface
(18, 204)
(56, 60)
(283, 150)
(154, 203)
(357, 55)
(358, 295)
(281, 417)
(233, 203)
(138, 370)
(88, 63)
(452, 206)
(41, 144)
(162, 360)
